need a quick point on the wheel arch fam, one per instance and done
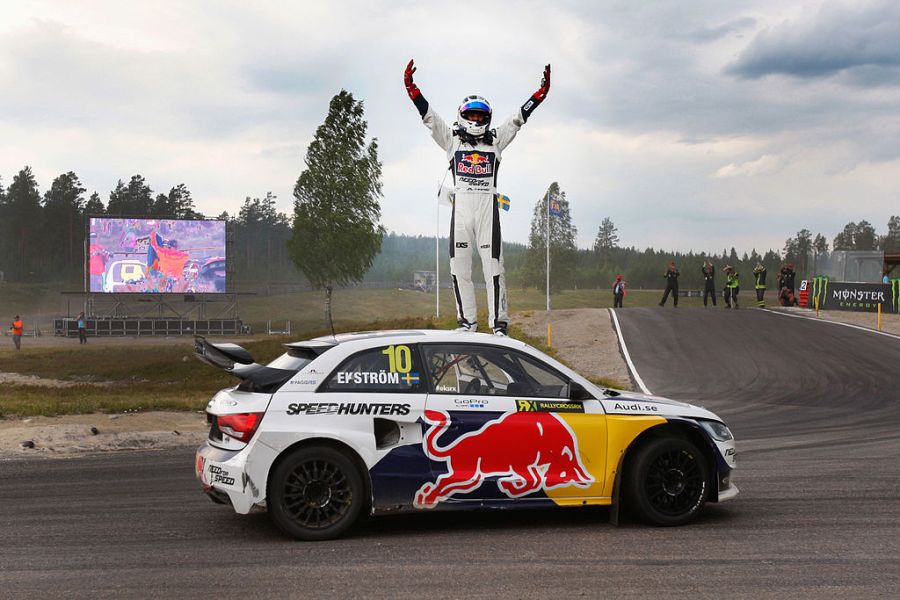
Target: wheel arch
(335, 444)
(683, 428)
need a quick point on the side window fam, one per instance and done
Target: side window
(491, 371)
(386, 369)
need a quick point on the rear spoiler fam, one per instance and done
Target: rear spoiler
(225, 356)
(236, 360)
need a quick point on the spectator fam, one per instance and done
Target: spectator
(760, 274)
(671, 276)
(732, 286)
(82, 329)
(709, 282)
(18, 328)
(786, 277)
(618, 292)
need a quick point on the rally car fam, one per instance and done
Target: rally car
(388, 421)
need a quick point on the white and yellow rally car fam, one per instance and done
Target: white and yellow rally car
(417, 420)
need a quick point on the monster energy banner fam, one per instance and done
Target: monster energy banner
(839, 295)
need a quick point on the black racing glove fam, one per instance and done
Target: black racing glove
(538, 96)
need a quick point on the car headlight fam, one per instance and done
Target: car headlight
(718, 431)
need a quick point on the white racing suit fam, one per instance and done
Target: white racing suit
(476, 217)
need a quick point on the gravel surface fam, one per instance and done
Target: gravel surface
(584, 338)
(71, 435)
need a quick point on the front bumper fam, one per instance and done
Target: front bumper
(224, 478)
(727, 490)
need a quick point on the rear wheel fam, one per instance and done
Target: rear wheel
(667, 482)
(316, 493)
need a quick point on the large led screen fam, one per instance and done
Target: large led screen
(163, 256)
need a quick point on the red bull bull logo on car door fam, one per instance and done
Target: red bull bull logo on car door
(525, 452)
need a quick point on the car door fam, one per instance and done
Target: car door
(500, 428)
(378, 396)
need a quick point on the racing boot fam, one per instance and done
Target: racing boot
(467, 327)
(501, 329)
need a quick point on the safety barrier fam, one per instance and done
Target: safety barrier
(114, 326)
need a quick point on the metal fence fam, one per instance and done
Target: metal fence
(860, 266)
(113, 327)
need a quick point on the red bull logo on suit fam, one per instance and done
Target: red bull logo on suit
(528, 451)
(474, 163)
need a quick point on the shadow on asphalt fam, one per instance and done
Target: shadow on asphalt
(258, 526)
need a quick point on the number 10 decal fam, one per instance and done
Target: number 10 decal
(399, 358)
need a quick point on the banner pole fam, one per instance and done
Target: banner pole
(437, 256)
(549, 328)
(879, 316)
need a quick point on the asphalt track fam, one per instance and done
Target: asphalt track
(815, 409)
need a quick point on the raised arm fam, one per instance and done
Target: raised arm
(439, 129)
(413, 90)
(507, 132)
(538, 96)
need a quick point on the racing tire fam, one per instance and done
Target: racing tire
(667, 482)
(316, 493)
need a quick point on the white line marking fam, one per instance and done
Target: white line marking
(634, 372)
(818, 320)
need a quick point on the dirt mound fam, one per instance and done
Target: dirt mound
(75, 434)
(584, 338)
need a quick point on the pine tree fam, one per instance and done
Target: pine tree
(865, 238)
(261, 236)
(134, 199)
(890, 242)
(563, 251)
(181, 203)
(63, 226)
(94, 206)
(820, 245)
(22, 223)
(845, 240)
(336, 230)
(607, 238)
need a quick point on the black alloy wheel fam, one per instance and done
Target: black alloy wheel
(668, 481)
(316, 493)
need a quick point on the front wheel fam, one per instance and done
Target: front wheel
(668, 482)
(316, 493)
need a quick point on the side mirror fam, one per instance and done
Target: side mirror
(578, 392)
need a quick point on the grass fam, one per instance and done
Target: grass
(39, 303)
(27, 401)
(305, 309)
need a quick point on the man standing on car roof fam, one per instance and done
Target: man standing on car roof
(709, 282)
(474, 150)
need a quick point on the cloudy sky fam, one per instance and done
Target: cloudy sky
(692, 125)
